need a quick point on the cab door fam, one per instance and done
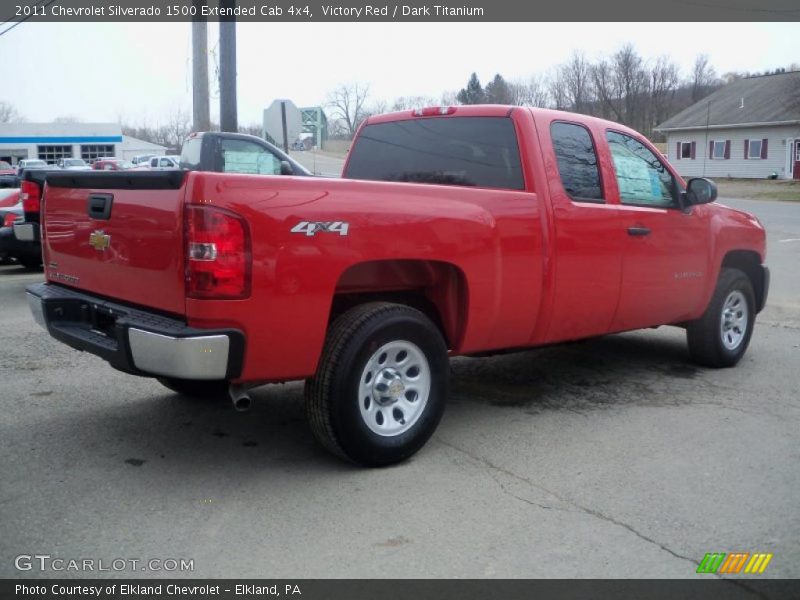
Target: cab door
(587, 242)
(666, 255)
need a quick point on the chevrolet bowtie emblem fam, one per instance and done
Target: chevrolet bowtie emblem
(99, 240)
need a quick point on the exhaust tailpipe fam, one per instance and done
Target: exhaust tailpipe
(240, 398)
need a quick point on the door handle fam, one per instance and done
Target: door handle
(638, 230)
(99, 206)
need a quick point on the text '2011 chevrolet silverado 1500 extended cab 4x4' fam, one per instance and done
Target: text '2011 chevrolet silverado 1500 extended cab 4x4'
(454, 231)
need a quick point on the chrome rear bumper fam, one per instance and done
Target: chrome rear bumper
(136, 340)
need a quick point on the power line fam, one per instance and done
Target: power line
(21, 21)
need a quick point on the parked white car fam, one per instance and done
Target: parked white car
(162, 163)
(73, 164)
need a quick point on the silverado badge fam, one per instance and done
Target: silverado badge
(99, 240)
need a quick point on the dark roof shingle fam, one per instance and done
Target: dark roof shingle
(763, 99)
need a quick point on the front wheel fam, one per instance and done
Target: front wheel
(381, 386)
(720, 337)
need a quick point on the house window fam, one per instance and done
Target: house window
(686, 150)
(92, 152)
(755, 149)
(51, 154)
(718, 150)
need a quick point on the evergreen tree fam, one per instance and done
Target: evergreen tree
(473, 93)
(498, 91)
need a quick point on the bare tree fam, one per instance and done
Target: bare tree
(704, 77)
(606, 90)
(530, 92)
(8, 113)
(448, 99)
(348, 104)
(575, 76)
(255, 129)
(557, 90)
(631, 82)
(337, 129)
(179, 125)
(412, 102)
(663, 85)
(378, 107)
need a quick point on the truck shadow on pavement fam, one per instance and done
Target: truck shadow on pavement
(642, 368)
(154, 428)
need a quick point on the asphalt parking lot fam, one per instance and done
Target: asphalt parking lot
(614, 457)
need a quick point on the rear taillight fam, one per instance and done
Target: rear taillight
(9, 219)
(30, 196)
(218, 256)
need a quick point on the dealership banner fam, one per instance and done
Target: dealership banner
(406, 10)
(399, 589)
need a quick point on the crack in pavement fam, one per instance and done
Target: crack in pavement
(560, 498)
(580, 509)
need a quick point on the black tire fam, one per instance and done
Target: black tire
(31, 264)
(333, 403)
(705, 335)
(196, 388)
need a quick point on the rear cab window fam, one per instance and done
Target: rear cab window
(459, 151)
(576, 156)
(190, 153)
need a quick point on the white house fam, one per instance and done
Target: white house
(132, 146)
(750, 129)
(51, 141)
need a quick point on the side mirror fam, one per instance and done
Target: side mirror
(286, 168)
(700, 190)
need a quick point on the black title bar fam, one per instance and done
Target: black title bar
(399, 589)
(408, 10)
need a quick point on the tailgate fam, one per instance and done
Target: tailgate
(118, 235)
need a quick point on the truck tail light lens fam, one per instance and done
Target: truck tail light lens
(30, 196)
(218, 253)
(9, 220)
(434, 111)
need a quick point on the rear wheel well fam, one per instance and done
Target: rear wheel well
(435, 288)
(748, 262)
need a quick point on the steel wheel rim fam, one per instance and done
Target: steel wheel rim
(733, 320)
(394, 388)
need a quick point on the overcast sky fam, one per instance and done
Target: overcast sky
(142, 72)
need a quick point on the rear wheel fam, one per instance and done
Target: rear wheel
(720, 337)
(196, 388)
(381, 386)
(31, 264)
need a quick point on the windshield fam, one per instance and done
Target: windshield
(4, 165)
(34, 163)
(74, 162)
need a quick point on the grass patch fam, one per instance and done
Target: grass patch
(760, 189)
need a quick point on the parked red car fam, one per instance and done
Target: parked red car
(112, 164)
(9, 197)
(456, 230)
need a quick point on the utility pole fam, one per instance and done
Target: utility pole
(227, 70)
(201, 113)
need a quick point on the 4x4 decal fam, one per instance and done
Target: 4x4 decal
(312, 227)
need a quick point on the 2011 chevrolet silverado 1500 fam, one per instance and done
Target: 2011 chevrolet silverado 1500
(454, 231)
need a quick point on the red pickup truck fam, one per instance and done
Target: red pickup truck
(454, 231)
